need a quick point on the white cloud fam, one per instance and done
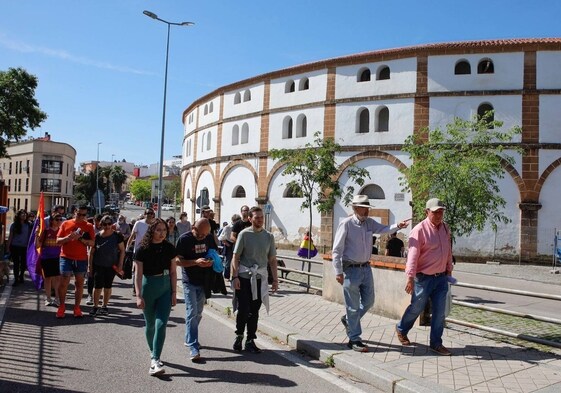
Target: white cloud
(66, 56)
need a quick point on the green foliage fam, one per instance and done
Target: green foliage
(19, 109)
(315, 168)
(173, 190)
(141, 189)
(118, 177)
(460, 166)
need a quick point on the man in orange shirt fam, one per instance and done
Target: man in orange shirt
(74, 237)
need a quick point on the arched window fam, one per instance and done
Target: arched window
(287, 128)
(245, 133)
(462, 67)
(289, 86)
(187, 194)
(203, 143)
(485, 66)
(486, 111)
(304, 84)
(292, 190)
(301, 126)
(235, 135)
(363, 75)
(206, 109)
(373, 191)
(247, 95)
(208, 141)
(363, 121)
(383, 120)
(383, 73)
(238, 192)
(237, 98)
(210, 107)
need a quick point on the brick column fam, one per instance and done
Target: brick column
(262, 185)
(530, 160)
(422, 101)
(329, 108)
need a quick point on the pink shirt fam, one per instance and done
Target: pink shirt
(430, 251)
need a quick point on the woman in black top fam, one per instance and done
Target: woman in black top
(155, 281)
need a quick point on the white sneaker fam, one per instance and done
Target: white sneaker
(89, 301)
(48, 302)
(156, 368)
(55, 303)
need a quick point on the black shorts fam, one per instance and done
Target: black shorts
(51, 267)
(103, 277)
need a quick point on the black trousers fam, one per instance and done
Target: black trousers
(248, 309)
(19, 258)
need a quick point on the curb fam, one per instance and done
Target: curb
(365, 369)
(4, 298)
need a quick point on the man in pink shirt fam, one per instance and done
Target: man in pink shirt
(429, 262)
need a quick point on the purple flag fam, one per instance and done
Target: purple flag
(34, 258)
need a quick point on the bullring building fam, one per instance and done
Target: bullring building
(369, 103)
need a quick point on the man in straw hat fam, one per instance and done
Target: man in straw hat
(352, 250)
(429, 263)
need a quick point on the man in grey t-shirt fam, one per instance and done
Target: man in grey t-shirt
(254, 250)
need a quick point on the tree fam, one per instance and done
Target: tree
(118, 177)
(315, 168)
(141, 189)
(172, 190)
(84, 187)
(19, 109)
(460, 166)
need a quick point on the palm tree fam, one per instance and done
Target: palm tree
(118, 178)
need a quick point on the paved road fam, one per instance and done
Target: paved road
(39, 353)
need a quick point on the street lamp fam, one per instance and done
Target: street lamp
(97, 181)
(161, 165)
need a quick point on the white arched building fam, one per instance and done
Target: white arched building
(370, 102)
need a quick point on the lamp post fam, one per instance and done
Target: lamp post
(161, 165)
(98, 210)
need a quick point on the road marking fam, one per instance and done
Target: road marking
(326, 375)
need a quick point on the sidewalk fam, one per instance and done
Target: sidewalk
(309, 323)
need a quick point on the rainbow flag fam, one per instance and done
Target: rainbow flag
(33, 252)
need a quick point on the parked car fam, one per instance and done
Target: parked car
(111, 209)
(168, 207)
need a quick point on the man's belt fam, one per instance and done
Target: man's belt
(431, 275)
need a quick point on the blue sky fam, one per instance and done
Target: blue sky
(100, 63)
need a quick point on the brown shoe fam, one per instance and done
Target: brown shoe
(441, 350)
(402, 338)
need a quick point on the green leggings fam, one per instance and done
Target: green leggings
(156, 291)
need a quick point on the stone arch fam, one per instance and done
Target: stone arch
(520, 183)
(274, 170)
(231, 165)
(370, 154)
(202, 170)
(548, 171)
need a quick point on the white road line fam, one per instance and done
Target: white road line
(327, 376)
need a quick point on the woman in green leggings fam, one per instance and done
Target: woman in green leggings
(156, 280)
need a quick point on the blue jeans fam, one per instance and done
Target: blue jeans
(435, 289)
(358, 289)
(194, 303)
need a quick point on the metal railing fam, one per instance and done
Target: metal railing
(526, 337)
(285, 270)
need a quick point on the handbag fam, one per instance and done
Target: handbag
(127, 265)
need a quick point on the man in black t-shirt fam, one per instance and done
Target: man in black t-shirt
(241, 224)
(192, 248)
(206, 212)
(394, 247)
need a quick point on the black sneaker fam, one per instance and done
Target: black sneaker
(238, 343)
(345, 323)
(251, 347)
(357, 346)
(93, 312)
(103, 311)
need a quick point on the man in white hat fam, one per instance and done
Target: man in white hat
(429, 262)
(352, 248)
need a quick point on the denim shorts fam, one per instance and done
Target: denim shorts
(76, 266)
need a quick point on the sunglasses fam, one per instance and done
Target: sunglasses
(81, 214)
(107, 223)
(57, 219)
(149, 213)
